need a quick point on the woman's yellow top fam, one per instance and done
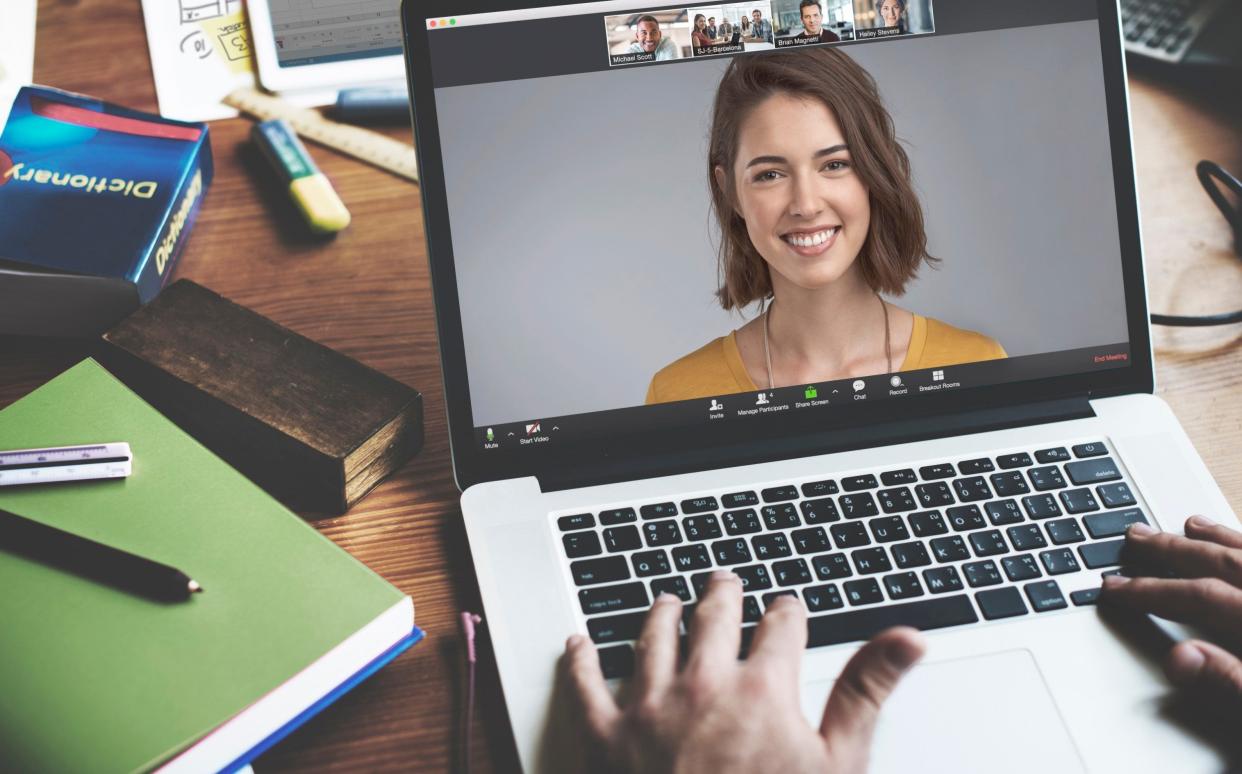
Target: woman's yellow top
(717, 369)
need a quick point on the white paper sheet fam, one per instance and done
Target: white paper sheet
(200, 51)
(17, 41)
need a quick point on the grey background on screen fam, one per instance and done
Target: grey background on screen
(585, 249)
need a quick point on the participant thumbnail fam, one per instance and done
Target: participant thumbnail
(651, 36)
(886, 18)
(803, 22)
(730, 28)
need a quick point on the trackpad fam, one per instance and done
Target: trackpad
(979, 714)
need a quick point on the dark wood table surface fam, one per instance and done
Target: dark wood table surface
(367, 294)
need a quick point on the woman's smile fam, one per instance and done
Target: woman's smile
(811, 242)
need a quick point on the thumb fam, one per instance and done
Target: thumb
(1202, 666)
(864, 684)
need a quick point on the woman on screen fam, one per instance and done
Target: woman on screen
(818, 218)
(892, 14)
(698, 34)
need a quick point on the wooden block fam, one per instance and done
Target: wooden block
(313, 427)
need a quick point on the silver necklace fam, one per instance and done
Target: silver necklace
(767, 349)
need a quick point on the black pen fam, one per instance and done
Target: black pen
(96, 561)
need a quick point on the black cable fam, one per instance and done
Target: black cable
(1214, 178)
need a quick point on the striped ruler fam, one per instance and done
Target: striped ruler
(65, 463)
(372, 147)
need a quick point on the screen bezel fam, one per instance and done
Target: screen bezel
(683, 446)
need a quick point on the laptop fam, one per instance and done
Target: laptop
(978, 488)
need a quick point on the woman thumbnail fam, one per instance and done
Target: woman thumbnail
(698, 33)
(892, 14)
(817, 217)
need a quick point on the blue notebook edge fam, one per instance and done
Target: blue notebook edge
(405, 643)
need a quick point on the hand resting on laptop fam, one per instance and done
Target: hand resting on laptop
(720, 714)
(1206, 593)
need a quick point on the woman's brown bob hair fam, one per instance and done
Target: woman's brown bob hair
(896, 243)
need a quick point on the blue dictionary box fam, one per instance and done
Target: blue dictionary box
(96, 204)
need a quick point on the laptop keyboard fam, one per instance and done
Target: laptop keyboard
(939, 544)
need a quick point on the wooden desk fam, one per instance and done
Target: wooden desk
(367, 294)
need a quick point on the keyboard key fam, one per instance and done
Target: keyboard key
(1096, 555)
(739, 499)
(819, 511)
(1011, 461)
(901, 585)
(949, 549)
(820, 598)
(701, 527)
(927, 523)
(675, 585)
(937, 472)
(1058, 454)
(783, 516)
(792, 572)
(989, 543)
(863, 592)
(1104, 525)
(940, 580)
(897, 500)
(1059, 561)
(659, 533)
(1020, 568)
(1009, 484)
(1092, 471)
(1000, 603)
(750, 610)
(741, 522)
(857, 625)
(771, 597)
(617, 516)
(966, 517)
(1041, 506)
(1026, 537)
(658, 510)
(858, 506)
(588, 572)
(1045, 479)
(700, 581)
(1079, 500)
(983, 573)
(648, 563)
(886, 529)
(1096, 449)
(871, 560)
(849, 535)
(580, 544)
(898, 477)
(695, 557)
(625, 538)
(1002, 512)
(972, 489)
(770, 546)
(604, 599)
(859, 483)
(1115, 495)
(913, 554)
(831, 566)
(934, 495)
(779, 494)
(617, 661)
(1062, 531)
(699, 505)
(576, 521)
(1044, 596)
(1085, 597)
(729, 552)
(970, 467)
(755, 577)
(810, 541)
(819, 488)
(616, 628)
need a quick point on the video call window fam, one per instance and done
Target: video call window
(887, 18)
(650, 36)
(731, 28)
(803, 22)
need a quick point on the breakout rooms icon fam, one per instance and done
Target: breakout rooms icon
(937, 376)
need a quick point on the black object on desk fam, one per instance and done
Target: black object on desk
(95, 561)
(1198, 32)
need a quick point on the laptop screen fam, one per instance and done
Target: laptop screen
(688, 216)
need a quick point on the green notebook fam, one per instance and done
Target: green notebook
(93, 679)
